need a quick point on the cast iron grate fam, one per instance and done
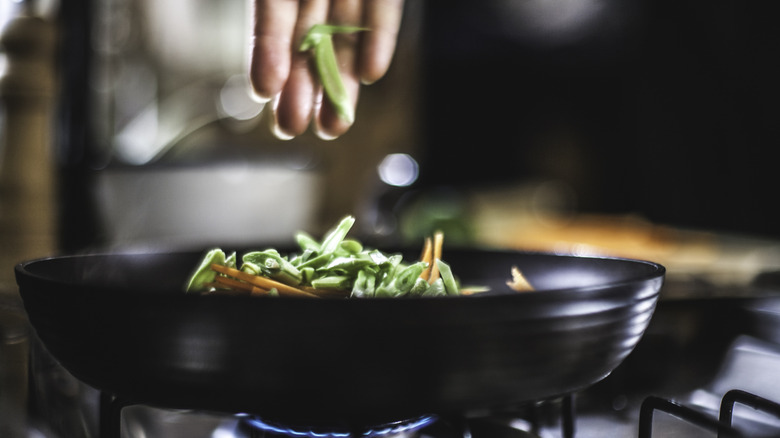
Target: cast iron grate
(723, 425)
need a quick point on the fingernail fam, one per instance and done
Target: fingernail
(257, 97)
(322, 135)
(320, 132)
(277, 130)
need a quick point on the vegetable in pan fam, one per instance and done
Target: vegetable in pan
(333, 267)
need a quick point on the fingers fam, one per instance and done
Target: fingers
(269, 68)
(280, 72)
(295, 105)
(382, 18)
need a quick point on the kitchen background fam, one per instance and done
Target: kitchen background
(661, 111)
(638, 128)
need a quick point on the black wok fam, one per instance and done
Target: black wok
(122, 324)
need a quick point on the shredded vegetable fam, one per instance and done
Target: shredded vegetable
(332, 267)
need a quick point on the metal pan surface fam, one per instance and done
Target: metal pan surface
(121, 323)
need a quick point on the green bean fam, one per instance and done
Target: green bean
(273, 265)
(419, 288)
(204, 274)
(378, 257)
(406, 278)
(306, 242)
(334, 238)
(436, 289)
(450, 285)
(351, 246)
(316, 262)
(361, 287)
(335, 262)
(348, 264)
(307, 275)
(332, 282)
(230, 262)
(319, 40)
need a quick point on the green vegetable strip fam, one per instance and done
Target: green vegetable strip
(407, 277)
(385, 291)
(359, 288)
(332, 282)
(273, 265)
(370, 285)
(328, 69)
(436, 289)
(204, 274)
(393, 261)
(420, 287)
(337, 235)
(364, 285)
(450, 285)
(348, 264)
(317, 262)
(251, 268)
(351, 246)
(319, 39)
(306, 242)
(335, 263)
(230, 262)
(378, 257)
(307, 275)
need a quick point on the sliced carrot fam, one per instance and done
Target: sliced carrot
(240, 285)
(262, 282)
(518, 282)
(221, 280)
(427, 257)
(438, 240)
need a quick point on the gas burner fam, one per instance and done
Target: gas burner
(138, 419)
(398, 428)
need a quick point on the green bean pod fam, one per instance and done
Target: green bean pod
(319, 39)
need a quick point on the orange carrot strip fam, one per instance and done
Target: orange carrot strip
(241, 286)
(518, 282)
(427, 257)
(438, 240)
(262, 282)
(232, 283)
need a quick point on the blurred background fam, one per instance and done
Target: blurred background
(588, 125)
(633, 128)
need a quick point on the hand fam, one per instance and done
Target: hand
(279, 72)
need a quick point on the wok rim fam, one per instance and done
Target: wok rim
(24, 273)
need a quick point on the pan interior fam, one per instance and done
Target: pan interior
(168, 272)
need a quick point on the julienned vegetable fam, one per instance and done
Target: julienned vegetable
(319, 40)
(333, 267)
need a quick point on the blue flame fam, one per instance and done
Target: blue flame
(397, 428)
(381, 431)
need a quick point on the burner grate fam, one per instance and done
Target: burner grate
(723, 425)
